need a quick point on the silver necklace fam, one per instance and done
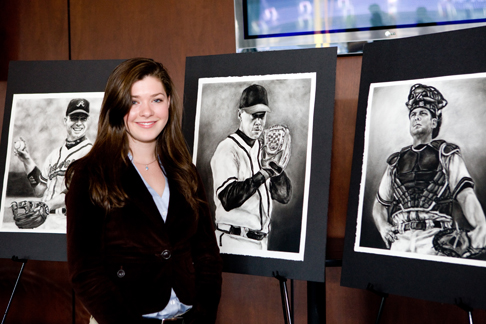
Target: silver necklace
(146, 165)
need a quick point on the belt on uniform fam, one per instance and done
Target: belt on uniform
(421, 226)
(251, 234)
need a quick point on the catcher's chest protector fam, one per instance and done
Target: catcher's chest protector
(419, 181)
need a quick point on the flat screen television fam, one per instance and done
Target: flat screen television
(348, 24)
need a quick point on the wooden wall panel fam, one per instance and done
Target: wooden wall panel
(256, 300)
(165, 30)
(43, 294)
(33, 30)
(345, 107)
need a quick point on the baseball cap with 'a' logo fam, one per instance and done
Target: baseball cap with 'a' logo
(77, 106)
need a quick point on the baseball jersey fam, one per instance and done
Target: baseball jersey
(234, 160)
(56, 165)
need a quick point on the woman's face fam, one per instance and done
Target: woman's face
(149, 112)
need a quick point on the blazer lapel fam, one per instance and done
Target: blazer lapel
(180, 217)
(175, 203)
(141, 197)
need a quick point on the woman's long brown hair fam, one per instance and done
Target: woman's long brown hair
(108, 157)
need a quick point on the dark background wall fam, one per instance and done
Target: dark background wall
(169, 31)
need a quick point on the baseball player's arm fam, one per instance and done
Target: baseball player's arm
(236, 193)
(28, 162)
(56, 202)
(380, 216)
(38, 178)
(40, 189)
(225, 166)
(380, 209)
(34, 174)
(22, 152)
(462, 187)
(474, 214)
(281, 188)
(37, 181)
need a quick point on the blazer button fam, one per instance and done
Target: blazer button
(120, 273)
(166, 254)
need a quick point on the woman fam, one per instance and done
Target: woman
(141, 243)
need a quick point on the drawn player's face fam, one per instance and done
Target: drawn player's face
(76, 126)
(421, 122)
(149, 112)
(252, 124)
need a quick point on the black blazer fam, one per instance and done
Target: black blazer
(123, 264)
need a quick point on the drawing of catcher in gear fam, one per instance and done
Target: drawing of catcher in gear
(48, 183)
(413, 209)
(248, 170)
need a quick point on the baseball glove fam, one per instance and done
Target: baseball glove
(276, 149)
(455, 243)
(29, 214)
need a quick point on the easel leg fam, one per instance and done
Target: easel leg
(316, 302)
(285, 298)
(467, 308)
(24, 261)
(470, 317)
(382, 303)
(380, 311)
(292, 300)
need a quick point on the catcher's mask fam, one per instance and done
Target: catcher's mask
(422, 96)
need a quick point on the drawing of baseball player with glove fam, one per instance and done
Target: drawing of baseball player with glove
(48, 183)
(248, 170)
(413, 209)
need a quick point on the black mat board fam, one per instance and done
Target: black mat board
(26, 77)
(321, 61)
(436, 55)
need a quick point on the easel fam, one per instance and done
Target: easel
(316, 297)
(383, 296)
(288, 308)
(23, 261)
